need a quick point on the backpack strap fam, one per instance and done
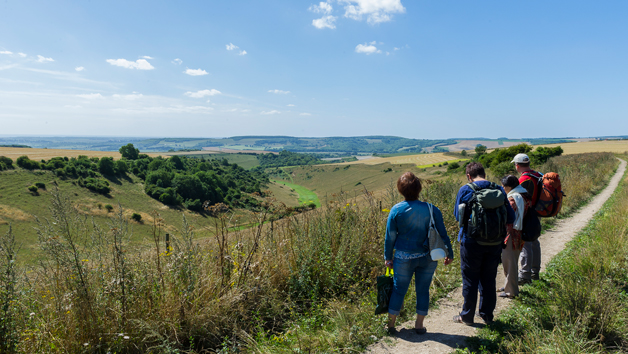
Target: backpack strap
(431, 208)
(467, 211)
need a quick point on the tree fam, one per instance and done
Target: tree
(463, 152)
(129, 152)
(106, 166)
(480, 149)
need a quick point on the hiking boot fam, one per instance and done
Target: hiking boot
(522, 281)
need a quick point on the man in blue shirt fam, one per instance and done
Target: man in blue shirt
(478, 260)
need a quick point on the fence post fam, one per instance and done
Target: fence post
(167, 243)
(380, 205)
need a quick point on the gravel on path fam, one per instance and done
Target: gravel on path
(443, 335)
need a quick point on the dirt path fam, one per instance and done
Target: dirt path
(443, 335)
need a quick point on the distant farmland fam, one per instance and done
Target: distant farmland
(614, 146)
(418, 160)
(46, 154)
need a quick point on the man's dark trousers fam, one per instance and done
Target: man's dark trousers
(479, 270)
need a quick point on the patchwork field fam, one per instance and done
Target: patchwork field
(614, 146)
(38, 154)
(418, 160)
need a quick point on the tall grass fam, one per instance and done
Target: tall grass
(303, 282)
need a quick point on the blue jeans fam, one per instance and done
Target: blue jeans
(479, 270)
(423, 268)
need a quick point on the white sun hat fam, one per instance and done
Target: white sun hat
(521, 158)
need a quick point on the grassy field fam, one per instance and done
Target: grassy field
(246, 161)
(38, 154)
(306, 196)
(18, 207)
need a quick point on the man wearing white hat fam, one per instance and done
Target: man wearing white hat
(530, 257)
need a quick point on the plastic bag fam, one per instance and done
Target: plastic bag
(384, 291)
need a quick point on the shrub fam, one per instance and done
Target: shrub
(106, 166)
(97, 185)
(40, 185)
(453, 166)
(33, 189)
(121, 167)
(28, 164)
(109, 207)
(194, 205)
(137, 217)
(503, 168)
(6, 163)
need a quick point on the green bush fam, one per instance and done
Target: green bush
(33, 189)
(453, 166)
(28, 164)
(97, 185)
(6, 163)
(106, 166)
(137, 217)
(503, 169)
(109, 207)
(40, 185)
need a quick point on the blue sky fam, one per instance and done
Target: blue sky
(420, 69)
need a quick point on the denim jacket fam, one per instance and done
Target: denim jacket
(407, 228)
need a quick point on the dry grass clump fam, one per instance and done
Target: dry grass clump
(15, 214)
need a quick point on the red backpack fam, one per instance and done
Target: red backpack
(550, 194)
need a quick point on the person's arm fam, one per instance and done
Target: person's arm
(458, 201)
(440, 227)
(391, 235)
(511, 213)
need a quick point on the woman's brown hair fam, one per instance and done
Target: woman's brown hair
(409, 186)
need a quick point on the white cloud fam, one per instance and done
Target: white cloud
(246, 110)
(43, 59)
(270, 112)
(376, 11)
(366, 49)
(22, 55)
(395, 48)
(147, 57)
(232, 46)
(195, 72)
(279, 92)
(387, 53)
(177, 61)
(5, 52)
(324, 22)
(91, 96)
(321, 8)
(242, 52)
(79, 68)
(132, 97)
(290, 105)
(165, 110)
(140, 64)
(305, 114)
(231, 110)
(202, 93)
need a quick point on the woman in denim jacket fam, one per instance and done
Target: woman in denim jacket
(406, 233)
